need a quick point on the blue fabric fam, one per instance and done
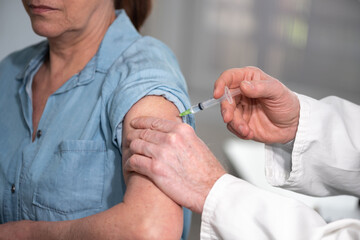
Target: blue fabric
(74, 168)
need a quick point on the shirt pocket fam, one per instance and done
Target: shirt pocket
(74, 179)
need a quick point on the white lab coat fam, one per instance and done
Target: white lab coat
(323, 160)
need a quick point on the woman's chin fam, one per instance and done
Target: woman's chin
(46, 31)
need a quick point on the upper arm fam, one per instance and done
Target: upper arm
(151, 206)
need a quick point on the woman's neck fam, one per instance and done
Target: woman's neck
(70, 52)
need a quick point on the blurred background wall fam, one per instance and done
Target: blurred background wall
(312, 46)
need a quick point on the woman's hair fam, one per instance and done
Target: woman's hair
(137, 10)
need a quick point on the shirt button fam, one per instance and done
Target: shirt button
(38, 134)
(13, 188)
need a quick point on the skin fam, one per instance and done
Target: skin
(74, 27)
(182, 166)
(191, 170)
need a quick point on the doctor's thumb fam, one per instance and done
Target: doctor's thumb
(259, 88)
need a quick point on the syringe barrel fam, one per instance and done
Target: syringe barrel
(209, 103)
(228, 95)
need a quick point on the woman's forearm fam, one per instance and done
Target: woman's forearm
(119, 222)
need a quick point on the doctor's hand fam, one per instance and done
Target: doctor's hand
(175, 159)
(266, 111)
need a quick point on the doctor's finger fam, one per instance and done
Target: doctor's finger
(230, 78)
(238, 125)
(268, 88)
(239, 133)
(159, 124)
(138, 163)
(147, 135)
(139, 146)
(227, 111)
(247, 108)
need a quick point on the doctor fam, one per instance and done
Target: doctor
(312, 147)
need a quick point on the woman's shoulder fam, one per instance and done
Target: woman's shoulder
(144, 65)
(148, 50)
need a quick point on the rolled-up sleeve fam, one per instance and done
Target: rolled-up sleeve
(146, 68)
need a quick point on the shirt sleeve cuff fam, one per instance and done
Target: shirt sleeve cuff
(181, 106)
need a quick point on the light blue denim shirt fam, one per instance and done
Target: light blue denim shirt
(73, 168)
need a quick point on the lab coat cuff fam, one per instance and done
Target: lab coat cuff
(283, 162)
(216, 194)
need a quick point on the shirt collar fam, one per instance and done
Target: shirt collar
(40, 51)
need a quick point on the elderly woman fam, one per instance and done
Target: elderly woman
(66, 106)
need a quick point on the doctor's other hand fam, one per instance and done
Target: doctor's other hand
(266, 111)
(175, 159)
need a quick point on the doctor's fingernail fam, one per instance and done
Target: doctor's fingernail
(133, 122)
(248, 84)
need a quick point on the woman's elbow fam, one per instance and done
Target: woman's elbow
(162, 229)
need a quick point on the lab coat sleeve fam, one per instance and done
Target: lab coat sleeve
(235, 209)
(324, 158)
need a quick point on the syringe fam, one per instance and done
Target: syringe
(211, 102)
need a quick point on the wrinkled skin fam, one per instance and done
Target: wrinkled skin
(266, 111)
(177, 161)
